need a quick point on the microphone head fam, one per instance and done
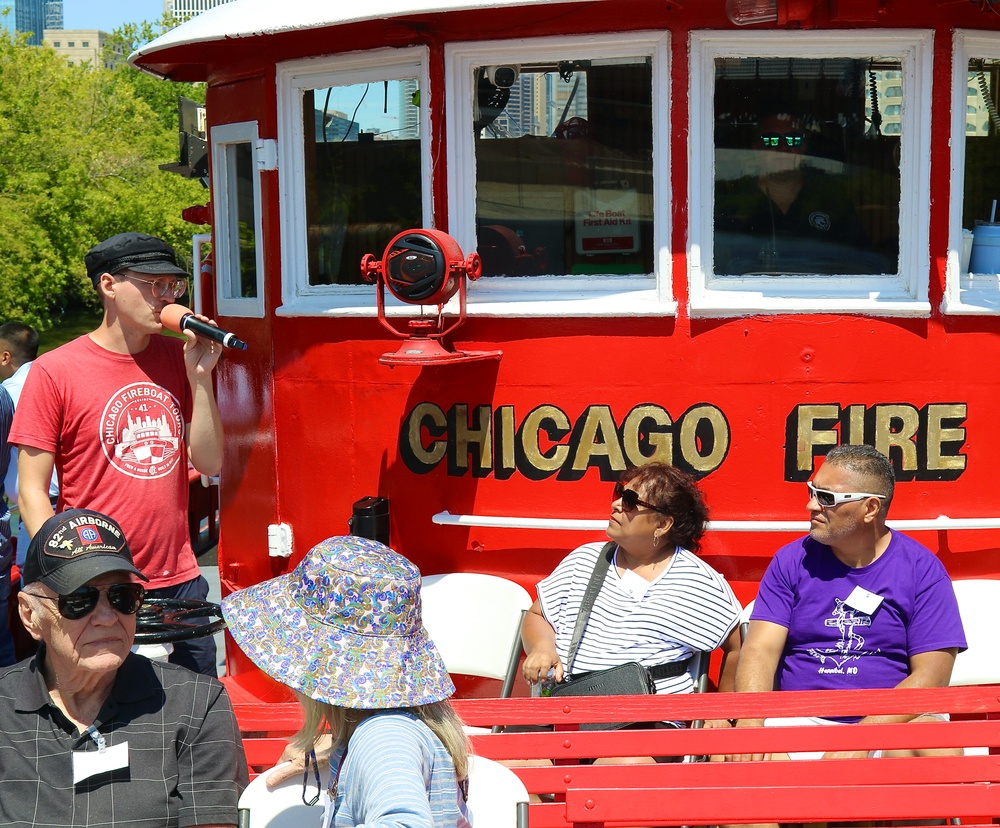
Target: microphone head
(171, 316)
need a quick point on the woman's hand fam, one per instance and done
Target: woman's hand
(292, 761)
(539, 641)
(537, 666)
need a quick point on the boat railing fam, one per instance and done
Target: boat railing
(939, 523)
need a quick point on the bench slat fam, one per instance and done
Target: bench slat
(945, 769)
(795, 804)
(714, 793)
(723, 741)
(687, 707)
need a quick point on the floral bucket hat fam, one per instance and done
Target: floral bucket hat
(343, 627)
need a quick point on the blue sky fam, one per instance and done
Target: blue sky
(109, 15)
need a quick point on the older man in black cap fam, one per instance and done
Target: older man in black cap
(90, 733)
(119, 412)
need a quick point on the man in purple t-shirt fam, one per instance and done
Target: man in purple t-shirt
(853, 605)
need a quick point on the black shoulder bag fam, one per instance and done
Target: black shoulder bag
(631, 679)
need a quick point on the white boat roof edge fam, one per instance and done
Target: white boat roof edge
(255, 18)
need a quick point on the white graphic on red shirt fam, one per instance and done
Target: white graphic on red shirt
(141, 430)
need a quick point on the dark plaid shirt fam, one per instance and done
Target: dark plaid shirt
(185, 759)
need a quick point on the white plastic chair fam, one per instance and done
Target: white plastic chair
(699, 677)
(494, 793)
(475, 621)
(979, 605)
(745, 620)
(280, 806)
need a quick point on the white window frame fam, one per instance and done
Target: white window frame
(298, 297)
(904, 294)
(581, 296)
(225, 248)
(965, 294)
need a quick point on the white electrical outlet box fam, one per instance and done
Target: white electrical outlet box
(279, 540)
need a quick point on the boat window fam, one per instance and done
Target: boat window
(353, 148)
(362, 153)
(237, 156)
(806, 173)
(807, 203)
(554, 144)
(982, 150)
(564, 165)
(974, 251)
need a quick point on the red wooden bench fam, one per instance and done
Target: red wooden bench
(265, 728)
(710, 793)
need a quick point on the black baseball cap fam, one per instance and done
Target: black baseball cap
(74, 546)
(132, 251)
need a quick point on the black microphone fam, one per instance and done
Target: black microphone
(178, 318)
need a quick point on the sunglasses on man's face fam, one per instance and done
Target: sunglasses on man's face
(826, 498)
(124, 598)
(774, 139)
(630, 500)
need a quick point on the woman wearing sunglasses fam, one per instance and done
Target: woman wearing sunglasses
(658, 603)
(90, 733)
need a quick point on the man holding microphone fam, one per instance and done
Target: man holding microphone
(119, 412)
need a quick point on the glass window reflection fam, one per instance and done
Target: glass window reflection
(806, 166)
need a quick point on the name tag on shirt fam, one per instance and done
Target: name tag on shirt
(634, 585)
(88, 763)
(864, 601)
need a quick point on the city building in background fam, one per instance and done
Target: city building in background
(24, 17)
(186, 9)
(84, 46)
(54, 14)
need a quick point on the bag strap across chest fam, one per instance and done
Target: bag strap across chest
(589, 596)
(661, 671)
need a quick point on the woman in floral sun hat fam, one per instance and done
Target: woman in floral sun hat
(344, 630)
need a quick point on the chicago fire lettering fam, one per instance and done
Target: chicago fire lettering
(545, 442)
(923, 443)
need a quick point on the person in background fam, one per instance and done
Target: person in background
(118, 412)
(91, 734)
(344, 630)
(7, 656)
(18, 349)
(853, 605)
(786, 215)
(659, 603)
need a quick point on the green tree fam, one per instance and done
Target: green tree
(80, 149)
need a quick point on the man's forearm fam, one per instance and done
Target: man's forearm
(755, 673)
(35, 508)
(205, 430)
(930, 669)
(34, 471)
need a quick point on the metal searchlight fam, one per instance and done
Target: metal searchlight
(424, 267)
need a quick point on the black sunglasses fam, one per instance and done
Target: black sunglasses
(630, 500)
(124, 598)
